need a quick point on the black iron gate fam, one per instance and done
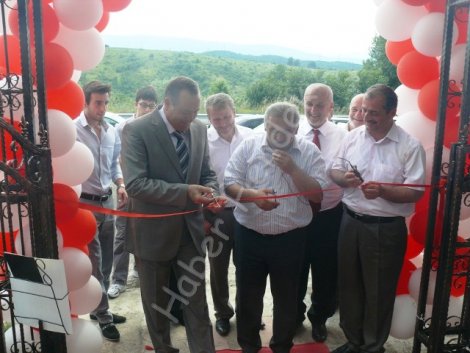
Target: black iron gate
(27, 220)
(443, 252)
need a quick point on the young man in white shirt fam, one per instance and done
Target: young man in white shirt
(224, 136)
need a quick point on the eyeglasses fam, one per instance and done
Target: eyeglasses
(147, 106)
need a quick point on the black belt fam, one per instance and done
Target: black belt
(97, 198)
(371, 219)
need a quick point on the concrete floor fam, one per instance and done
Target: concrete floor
(134, 335)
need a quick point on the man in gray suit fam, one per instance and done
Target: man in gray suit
(165, 160)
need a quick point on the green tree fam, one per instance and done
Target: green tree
(377, 69)
(219, 85)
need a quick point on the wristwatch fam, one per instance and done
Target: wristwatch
(121, 186)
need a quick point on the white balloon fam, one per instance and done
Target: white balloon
(378, 2)
(414, 283)
(18, 213)
(30, 341)
(430, 159)
(457, 62)
(14, 85)
(407, 99)
(25, 240)
(418, 259)
(418, 126)
(75, 166)
(86, 337)
(395, 20)
(77, 189)
(77, 267)
(404, 317)
(62, 132)
(427, 35)
(76, 75)
(85, 299)
(79, 15)
(454, 314)
(85, 47)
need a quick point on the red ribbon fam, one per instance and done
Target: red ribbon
(113, 212)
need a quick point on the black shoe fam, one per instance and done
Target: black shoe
(110, 332)
(319, 332)
(222, 326)
(344, 349)
(117, 319)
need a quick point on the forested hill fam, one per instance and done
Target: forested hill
(275, 59)
(130, 69)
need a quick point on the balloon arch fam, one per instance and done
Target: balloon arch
(72, 43)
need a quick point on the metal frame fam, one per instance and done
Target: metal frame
(443, 253)
(26, 192)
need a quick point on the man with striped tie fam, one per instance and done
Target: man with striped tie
(165, 161)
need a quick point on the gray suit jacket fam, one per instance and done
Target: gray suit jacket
(155, 184)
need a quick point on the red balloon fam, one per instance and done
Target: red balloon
(436, 5)
(115, 5)
(79, 230)
(6, 241)
(418, 227)
(14, 55)
(66, 202)
(12, 148)
(50, 22)
(103, 22)
(69, 98)
(396, 50)
(423, 203)
(462, 27)
(451, 132)
(406, 271)
(58, 66)
(428, 99)
(413, 248)
(415, 2)
(415, 70)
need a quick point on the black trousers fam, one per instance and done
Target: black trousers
(322, 259)
(370, 260)
(256, 257)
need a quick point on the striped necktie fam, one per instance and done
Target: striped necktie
(182, 152)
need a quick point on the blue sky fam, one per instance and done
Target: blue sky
(342, 29)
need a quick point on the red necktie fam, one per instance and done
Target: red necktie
(316, 139)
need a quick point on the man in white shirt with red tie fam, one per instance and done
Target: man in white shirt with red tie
(322, 241)
(224, 136)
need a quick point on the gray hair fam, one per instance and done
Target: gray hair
(220, 101)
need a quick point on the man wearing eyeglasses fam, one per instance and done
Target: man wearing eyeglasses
(145, 102)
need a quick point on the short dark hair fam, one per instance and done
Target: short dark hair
(179, 84)
(95, 87)
(391, 99)
(147, 93)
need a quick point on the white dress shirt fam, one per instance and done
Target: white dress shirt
(251, 166)
(105, 152)
(331, 136)
(220, 149)
(397, 158)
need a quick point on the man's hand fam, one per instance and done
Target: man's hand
(371, 190)
(284, 161)
(200, 194)
(351, 180)
(218, 204)
(267, 204)
(121, 197)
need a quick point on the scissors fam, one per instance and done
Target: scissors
(354, 169)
